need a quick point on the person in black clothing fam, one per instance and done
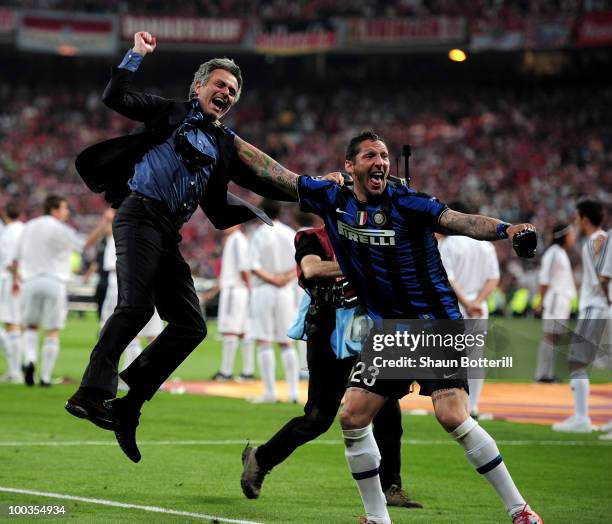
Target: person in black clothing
(320, 275)
(157, 178)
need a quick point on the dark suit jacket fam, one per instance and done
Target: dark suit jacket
(106, 167)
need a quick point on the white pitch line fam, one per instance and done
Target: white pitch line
(113, 503)
(242, 442)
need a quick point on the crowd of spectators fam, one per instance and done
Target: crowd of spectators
(520, 156)
(317, 9)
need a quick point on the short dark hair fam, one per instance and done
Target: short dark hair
(459, 206)
(12, 210)
(52, 202)
(559, 233)
(271, 208)
(353, 145)
(592, 209)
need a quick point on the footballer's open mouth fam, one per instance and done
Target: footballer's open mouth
(376, 179)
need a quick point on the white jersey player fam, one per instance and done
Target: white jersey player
(473, 271)
(10, 298)
(155, 325)
(557, 290)
(273, 308)
(605, 277)
(592, 316)
(43, 265)
(234, 285)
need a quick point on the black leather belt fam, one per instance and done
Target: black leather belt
(159, 206)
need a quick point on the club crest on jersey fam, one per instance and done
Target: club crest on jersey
(379, 218)
(373, 237)
(362, 218)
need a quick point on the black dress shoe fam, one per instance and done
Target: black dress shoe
(95, 410)
(126, 432)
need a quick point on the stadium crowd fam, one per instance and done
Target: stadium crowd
(523, 157)
(319, 9)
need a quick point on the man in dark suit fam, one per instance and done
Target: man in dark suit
(157, 178)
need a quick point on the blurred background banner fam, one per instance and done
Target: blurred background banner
(67, 33)
(407, 32)
(595, 29)
(173, 29)
(295, 38)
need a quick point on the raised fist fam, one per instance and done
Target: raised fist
(144, 42)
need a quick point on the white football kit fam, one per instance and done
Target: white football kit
(469, 263)
(234, 295)
(10, 303)
(44, 262)
(272, 308)
(556, 273)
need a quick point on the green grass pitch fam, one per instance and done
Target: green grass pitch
(191, 450)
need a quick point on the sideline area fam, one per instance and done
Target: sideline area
(515, 402)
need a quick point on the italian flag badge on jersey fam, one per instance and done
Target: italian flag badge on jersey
(362, 218)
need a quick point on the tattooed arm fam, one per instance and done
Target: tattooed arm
(476, 226)
(267, 168)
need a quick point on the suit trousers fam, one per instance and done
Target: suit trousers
(327, 384)
(151, 272)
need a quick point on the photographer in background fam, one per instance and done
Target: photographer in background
(329, 366)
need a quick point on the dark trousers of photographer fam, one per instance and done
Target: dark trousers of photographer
(326, 387)
(151, 272)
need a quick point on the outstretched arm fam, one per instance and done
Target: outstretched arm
(477, 226)
(267, 168)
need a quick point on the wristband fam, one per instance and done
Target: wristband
(502, 230)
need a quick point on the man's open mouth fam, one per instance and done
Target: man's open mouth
(219, 103)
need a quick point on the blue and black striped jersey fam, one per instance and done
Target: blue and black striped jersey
(386, 248)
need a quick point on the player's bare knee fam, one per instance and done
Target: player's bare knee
(450, 407)
(450, 419)
(353, 418)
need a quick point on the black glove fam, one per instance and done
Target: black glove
(525, 243)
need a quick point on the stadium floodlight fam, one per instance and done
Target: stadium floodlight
(457, 55)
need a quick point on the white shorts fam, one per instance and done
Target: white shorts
(590, 340)
(272, 311)
(152, 329)
(44, 303)
(233, 310)
(556, 310)
(10, 303)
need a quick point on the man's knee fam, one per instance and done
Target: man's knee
(451, 417)
(317, 421)
(139, 314)
(351, 418)
(450, 407)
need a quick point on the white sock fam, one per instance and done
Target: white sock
(228, 354)
(301, 344)
(580, 390)
(30, 346)
(475, 385)
(363, 459)
(546, 356)
(4, 340)
(13, 349)
(267, 367)
(132, 351)
(481, 451)
(248, 357)
(292, 373)
(50, 350)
